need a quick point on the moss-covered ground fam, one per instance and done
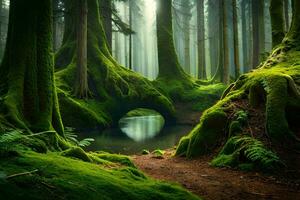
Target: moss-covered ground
(31, 175)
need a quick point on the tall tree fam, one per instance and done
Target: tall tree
(167, 58)
(236, 40)
(277, 20)
(244, 35)
(201, 39)
(256, 34)
(27, 78)
(106, 9)
(81, 85)
(226, 77)
(286, 15)
(187, 15)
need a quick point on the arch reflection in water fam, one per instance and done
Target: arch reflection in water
(141, 128)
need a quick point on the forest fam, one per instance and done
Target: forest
(149, 99)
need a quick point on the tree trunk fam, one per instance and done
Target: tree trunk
(81, 85)
(167, 58)
(255, 28)
(201, 39)
(219, 72)
(244, 36)
(277, 20)
(130, 35)
(55, 10)
(292, 39)
(186, 12)
(226, 77)
(27, 78)
(106, 15)
(286, 15)
(236, 40)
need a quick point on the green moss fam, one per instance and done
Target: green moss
(114, 158)
(76, 152)
(273, 89)
(203, 137)
(59, 176)
(141, 112)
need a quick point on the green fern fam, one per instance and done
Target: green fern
(250, 148)
(72, 138)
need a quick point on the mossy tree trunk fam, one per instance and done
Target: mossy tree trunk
(115, 89)
(277, 19)
(169, 66)
(28, 93)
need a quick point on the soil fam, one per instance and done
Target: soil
(218, 183)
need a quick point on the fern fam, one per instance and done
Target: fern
(85, 142)
(255, 151)
(72, 138)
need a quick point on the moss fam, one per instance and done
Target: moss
(141, 112)
(203, 137)
(114, 158)
(273, 89)
(59, 176)
(158, 153)
(76, 152)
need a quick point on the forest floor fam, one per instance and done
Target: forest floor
(218, 183)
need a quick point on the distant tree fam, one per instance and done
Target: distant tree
(201, 39)
(169, 66)
(236, 39)
(277, 20)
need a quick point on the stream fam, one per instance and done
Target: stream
(137, 133)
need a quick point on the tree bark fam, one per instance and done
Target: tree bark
(277, 20)
(236, 40)
(226, 77)
(106, 15)
(81, 85)
(286, 15)
(201, 39)
(27, 77)
(244, 36)
(255, 28)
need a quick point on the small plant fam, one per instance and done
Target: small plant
(71, 137)
(145, 152)
(158, 153)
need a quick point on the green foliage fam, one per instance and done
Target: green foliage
(158, 153)
(246, 150)
(145, 152)
(72, 138)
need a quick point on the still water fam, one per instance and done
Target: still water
(137, 133)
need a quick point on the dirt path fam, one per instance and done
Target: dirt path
(214, 183)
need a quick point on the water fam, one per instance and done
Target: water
(137, 133)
